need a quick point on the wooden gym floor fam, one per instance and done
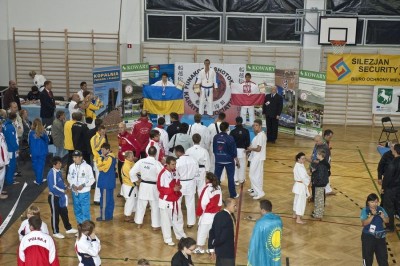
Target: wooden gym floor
(333, 241)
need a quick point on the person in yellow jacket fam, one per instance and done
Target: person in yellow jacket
(92, 104)
(68, 142)
(95, 143)
(106, 163)
(129, 187)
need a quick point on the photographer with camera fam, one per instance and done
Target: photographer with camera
(373, 237)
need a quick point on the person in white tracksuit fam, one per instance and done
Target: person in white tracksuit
(187, 169)
(148, 168)
(257, 151)
(207, 79)
(203, 159)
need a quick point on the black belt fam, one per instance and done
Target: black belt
(148, 182)
(187, 180)
(202, 166)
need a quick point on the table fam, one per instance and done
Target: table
(34, 109)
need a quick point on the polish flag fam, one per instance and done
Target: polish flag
(246, 94)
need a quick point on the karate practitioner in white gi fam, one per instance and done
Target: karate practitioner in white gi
(148, 168)
(169, 187)
(203, 159)
(300, 188)
(198, 128)
(187, 169)
(257, 151)
(207, 79)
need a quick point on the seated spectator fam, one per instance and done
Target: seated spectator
(33, 95)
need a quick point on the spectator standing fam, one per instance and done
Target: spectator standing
(57, 133)
(141, 130)
(47, 104)
(11, 95)
(11, 138)
(39, 148)
(242, 139)
(4, 161)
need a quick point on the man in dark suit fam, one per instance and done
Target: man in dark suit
(272, 110)
(47, 104)
(221, 241)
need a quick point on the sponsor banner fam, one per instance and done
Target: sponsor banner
(134, 76)
(155, 72)
(386, 100)
(226, 74)
(286, 82)
(363, 69)
(107, 87)
(310, 103)
(261, 74)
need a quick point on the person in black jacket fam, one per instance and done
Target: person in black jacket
(79, 133)
(383, 164)
(183, 257)
(174, 128)
(47, 104)
(391, 187)
(272, 109)
(221, 240)
(242, 139)
(320, 178)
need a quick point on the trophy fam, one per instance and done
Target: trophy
(196, 88)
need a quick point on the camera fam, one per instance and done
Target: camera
(378, 213)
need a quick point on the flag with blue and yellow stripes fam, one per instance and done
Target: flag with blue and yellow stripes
(163, 100)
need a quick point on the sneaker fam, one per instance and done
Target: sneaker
(170, 243)
(258, 197)
(44, 180)
(237, 183)
(71, 231)
(2, 196)
(15, 183)
(36, 183)
(250, 190)
(96, 203)
(58, 235)
(199, 251)
(237, 196)
(253, 194)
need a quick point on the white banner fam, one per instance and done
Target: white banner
(386, 100)
(310, 103)
(226, 73)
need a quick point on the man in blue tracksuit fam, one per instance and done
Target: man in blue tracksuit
(106, 164)
(58, 200)
(11, 137)
(224, 148)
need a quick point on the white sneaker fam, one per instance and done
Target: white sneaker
(250, 190)
(58, 235)
(237, 183)
(71, 231)
(199, 251)
(237, 196)
(170, 243)
(258, 196)
(44, 180)
(253, 194)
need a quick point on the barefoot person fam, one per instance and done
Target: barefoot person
(300, 187)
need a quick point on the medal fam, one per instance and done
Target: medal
(163, 89)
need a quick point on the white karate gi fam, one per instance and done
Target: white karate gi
(203, 159)
(4, 160)
(162, 84)
(248, 88)
(300, 188)
(148, 168)
(170, 212)
(158, 147)
(207, 218)
(163, 139)
(207, 81)
(203, 132)
(187, 169)
(240, 172)
(256, 172)
(212, 128)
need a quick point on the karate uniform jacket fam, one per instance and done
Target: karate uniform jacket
(87, 250)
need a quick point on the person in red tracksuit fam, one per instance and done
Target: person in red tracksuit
(155, 141)
(210, 202)
(37, 248)
(141, 130)
(169, 187)
(126, 142)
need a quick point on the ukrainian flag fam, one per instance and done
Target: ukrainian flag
(163, 100)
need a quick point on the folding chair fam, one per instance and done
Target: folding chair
(388, 129)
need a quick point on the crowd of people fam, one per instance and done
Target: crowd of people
(163, 166)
